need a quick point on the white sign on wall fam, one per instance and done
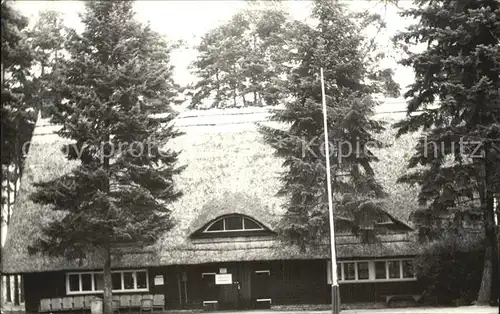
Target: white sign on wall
(223, 279)
(223, 270)
(159, 280)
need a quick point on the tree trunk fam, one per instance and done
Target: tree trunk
(16, 290)
(495, 267)
(8, 295)
(108, 286)
(108, 295)
(217, 83)
(498, 254)
(488, 293)
(490, 227)
(18, 160)
(244, 100)
(483, 296)
(8, 196)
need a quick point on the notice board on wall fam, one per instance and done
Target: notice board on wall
(159, 280)
(224, 279)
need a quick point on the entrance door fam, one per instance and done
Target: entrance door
(261, 294)
(229, 296)
(227, 286)
(237, 296)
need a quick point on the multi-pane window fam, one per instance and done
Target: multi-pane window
(141, 280)
(408, 271)
(233, 223)
(394, 269)
(74, 282)
(128, 281)
(363, 271)
(349, 271)
(374, 270)
(380, 270)
(121, 281)
(86, 282)
(116, 281)
(98, 282)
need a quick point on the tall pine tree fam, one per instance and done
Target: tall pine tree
(17, 114)
(334, 44)
(457, 90)
(240, 62)
(117, 73)
(47, 39)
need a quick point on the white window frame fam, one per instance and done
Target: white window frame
(93, 289)
(371, 271)
(357, 270)
(233, 230)
(387, 274)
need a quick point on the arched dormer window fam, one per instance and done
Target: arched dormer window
(232, 225)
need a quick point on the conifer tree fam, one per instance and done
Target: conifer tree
(239, 62)
(457, 90)
(116, 75)
(334, 44)
(17, 114)
(47, 39)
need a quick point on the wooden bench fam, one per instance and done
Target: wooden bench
(65, 304)
(391, 299)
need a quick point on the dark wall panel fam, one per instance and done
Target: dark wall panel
(42, 285)
(300, 282)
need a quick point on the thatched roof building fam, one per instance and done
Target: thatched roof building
(230, 170)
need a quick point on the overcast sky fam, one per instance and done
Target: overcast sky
(189, 20)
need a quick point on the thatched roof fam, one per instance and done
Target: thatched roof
(229, 170)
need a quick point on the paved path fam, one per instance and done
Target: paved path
(421, 310)
(418, 310)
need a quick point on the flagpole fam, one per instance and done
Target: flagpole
(335, 283)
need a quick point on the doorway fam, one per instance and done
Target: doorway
(228, 286)
(261, 283)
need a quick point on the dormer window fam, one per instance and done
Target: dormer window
(232, 224)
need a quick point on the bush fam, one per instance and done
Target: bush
(450, 268)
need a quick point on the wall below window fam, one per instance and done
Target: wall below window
(376, 292)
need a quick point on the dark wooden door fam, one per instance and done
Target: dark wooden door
(229, 293)
(245, 286)
(261, 294)
(208, 288)
(237, 296)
